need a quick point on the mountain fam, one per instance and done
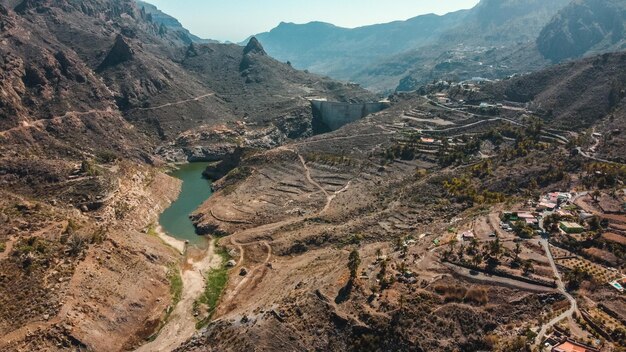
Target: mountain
(587, 94)
(350, 240)
(335, 51)
(390, 190)
(496, 39)
(583, 27)
(153, 14)
(95, 97)
(379, 56)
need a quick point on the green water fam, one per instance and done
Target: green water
(195, 190)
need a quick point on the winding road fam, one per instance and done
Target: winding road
(180, 102)
(561, 287)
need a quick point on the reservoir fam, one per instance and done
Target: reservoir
(195, 190)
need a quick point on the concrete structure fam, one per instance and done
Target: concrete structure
(330, 116)
(546, 205)
(468, 235)
(571, 227)
(569, 345)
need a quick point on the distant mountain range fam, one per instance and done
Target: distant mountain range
(492, 40)
(328, 49)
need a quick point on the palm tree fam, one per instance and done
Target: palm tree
(353, 264)
(596, 195)
(517, 251)
(477, 259)
(495, 248)
(473, 246)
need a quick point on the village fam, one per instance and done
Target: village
(560, 240)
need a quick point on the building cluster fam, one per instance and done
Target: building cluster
(568, 345)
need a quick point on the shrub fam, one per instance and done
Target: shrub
(88, 168)
(454, 293)
(106, 156)
(76, 246)
(477, 296)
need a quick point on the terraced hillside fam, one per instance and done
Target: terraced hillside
(399, 187)
(90, 92)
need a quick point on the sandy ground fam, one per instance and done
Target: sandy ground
(182, 324)
(175, 243)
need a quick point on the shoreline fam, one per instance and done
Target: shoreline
(178, 245)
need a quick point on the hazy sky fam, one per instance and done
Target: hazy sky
(235, 20)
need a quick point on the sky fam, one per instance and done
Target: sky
(235, 20)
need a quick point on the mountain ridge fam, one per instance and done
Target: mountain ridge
(484, 41)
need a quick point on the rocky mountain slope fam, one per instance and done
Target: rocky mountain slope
(496, 40)
(96, 95)
(89, 91)
(592, 96)
(589, 26)
(399, 187)
(169, 23)
(113, 58)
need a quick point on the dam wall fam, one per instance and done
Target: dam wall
(329, 116)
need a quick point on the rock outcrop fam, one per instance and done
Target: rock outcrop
(255, 47)
(120, 52)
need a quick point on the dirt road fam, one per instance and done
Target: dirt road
(180, 102)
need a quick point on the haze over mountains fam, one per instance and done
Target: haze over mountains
(492, 40)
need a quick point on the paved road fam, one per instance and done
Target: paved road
(561, 287)
(498, 280)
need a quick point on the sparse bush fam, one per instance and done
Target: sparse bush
(474, 295)
(72, 227)
(121, 210)
(106, 157)
(216, 280)
(76, 246)
(477, 296)
(88, 168)
(98, 236)
(451, 293)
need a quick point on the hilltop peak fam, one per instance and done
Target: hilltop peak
(254, 46)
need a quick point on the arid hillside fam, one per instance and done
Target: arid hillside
(419, 192)
(89, 92)
(582, 95)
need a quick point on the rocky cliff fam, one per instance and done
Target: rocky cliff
(584, 27)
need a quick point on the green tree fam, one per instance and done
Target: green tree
(353, 264)
(517, 250)
(495, 248)
(596, 195)
(477, 259)
(595, 224)
(473, 246)
(528, 267)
